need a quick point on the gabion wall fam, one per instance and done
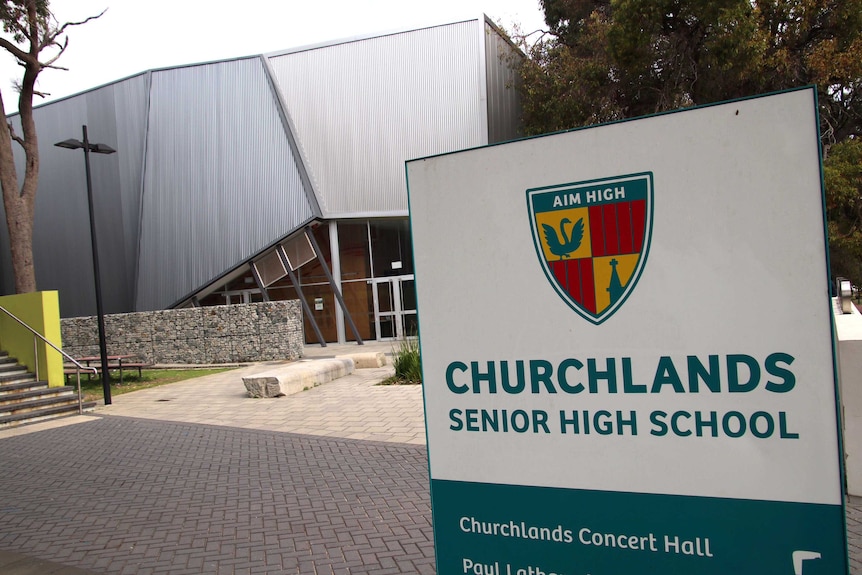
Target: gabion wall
(216, 334)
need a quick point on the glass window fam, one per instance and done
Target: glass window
(391, 253)
(359, 299)
(353, 242)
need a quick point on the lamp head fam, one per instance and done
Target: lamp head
(70, 144)
(73, 144)
(101, 149)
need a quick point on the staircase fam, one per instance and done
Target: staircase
(23, 399)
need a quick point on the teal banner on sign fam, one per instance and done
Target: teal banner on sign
(492, 529)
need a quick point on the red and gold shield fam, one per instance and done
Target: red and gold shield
(592, 239)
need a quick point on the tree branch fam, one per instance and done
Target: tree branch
(19, 54)
(62, 48)
(15, 136)
(59, 31)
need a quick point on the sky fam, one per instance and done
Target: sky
(137, 35)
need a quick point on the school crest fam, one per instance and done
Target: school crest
(592, 239)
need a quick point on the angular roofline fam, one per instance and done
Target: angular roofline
(371, 36)
(502, 34)
(131, 76)
(267, 55)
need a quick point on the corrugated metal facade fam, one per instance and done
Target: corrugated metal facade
(362, 108)
(216, 162)
(116, 116)
(221, 182)
(501, 68)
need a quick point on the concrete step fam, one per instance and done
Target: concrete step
(41, 414)
(7, 368)
(23, 399)
(26, 384)
(27, 405)
(18, 376)
(20, 396)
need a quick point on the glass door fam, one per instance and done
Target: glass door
(394, 307)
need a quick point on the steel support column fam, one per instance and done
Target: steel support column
(310, 234)
(295, 281)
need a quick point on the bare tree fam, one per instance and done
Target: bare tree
(37, 40)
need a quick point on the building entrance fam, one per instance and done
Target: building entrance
(394, 307)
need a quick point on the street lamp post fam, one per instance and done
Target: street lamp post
(103, 346)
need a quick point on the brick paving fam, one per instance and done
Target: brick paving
(122, 495)
(195, 478)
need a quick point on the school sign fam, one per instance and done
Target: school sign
(627, 348)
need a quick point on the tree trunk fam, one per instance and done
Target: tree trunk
(21, 245)
(19, 214)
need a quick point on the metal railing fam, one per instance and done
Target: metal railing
(37, 336)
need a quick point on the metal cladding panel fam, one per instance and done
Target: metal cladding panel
(221, 182)
(504, 104)
(115, 115)
(361, 108)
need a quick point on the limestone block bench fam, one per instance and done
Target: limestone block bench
(366, 360)
(296, 377)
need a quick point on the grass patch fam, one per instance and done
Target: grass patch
(92, 389)
(408, 364)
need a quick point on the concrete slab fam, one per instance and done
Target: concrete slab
(296, 377)
(353, 406)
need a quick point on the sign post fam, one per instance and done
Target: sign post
(627, 348)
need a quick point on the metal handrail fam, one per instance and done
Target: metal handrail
(36, 334)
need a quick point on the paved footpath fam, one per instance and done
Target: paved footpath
(136, 496)
(352, 407)
(195, 478)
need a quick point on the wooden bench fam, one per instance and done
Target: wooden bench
(132, 365)
(70, 369)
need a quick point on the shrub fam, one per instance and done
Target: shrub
(407, 361)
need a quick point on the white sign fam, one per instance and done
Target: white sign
(626, 345)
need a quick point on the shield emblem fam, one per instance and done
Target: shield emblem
(592, 239)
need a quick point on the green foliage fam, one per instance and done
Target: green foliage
(605, 60)
(672, 54)
(15, 15)
(842, 172)
(570, 84)
(407, 362)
